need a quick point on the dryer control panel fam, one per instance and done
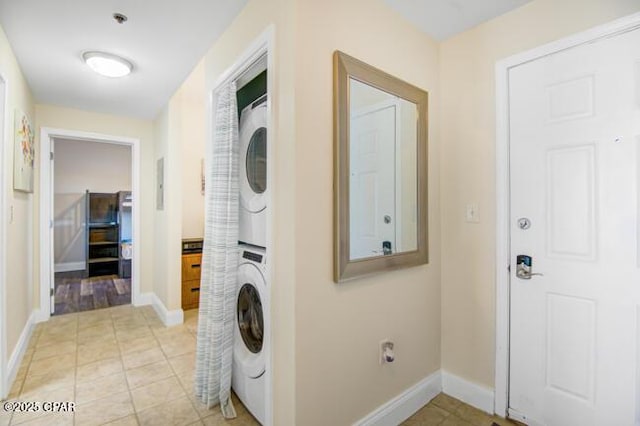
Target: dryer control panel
(254, 257)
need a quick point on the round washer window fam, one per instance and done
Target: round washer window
(250, 319)
(257, 161)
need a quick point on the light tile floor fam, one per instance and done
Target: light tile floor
(447, 411)
(121, 366)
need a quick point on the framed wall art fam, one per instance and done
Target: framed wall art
(24, 153)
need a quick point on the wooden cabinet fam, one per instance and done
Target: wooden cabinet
(191, 266)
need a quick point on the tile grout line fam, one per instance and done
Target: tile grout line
(124, 370)
(182, 386)
(129, 324)
(75, 375)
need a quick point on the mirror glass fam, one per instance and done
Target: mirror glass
(380, 171)
(383, 174)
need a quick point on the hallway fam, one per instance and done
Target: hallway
(120, 365)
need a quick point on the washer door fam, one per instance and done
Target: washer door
(250, 321)
(253, 158)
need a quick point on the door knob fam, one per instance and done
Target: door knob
(524, 267)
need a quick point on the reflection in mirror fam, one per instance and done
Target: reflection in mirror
(380, 171)
(383, 175)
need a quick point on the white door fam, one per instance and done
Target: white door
(574, 155)
(372, 181)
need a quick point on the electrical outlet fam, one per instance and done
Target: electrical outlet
(386, 351)
(472, 213)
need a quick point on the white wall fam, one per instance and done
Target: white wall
(468, 164)
(81, 166)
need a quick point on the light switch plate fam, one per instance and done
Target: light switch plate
(472, 214)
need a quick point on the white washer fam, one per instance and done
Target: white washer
(253, 173)
(249, 364)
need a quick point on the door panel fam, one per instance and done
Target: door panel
(570, 345)
(372, 181)
(574, 157)
(570, 202)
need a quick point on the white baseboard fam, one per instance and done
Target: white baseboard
(168, 317)
(18, 352)
(40, 316)
(144, 299)
(473, 394)
(70, 266)
(404, 405)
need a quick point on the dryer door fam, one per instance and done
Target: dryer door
(253, 158)
(250, 322)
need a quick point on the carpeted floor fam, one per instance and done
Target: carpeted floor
(74, 293)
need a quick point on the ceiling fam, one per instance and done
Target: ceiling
(164, 39)
(442, 19)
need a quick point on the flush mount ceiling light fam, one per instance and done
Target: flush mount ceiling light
(107, 64)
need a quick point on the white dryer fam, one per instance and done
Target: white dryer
(253, 173)
(249, 351)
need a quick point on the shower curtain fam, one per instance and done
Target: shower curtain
(214, 353)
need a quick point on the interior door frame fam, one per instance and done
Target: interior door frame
(262, 45)
(619, 26)
(4, 120)
(45, 199)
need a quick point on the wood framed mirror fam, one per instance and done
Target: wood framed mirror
(380, 171)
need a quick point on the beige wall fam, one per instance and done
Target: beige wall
(179, 132)
(73, 119)
(160, 255)
(339, 326)
(192, 138)
(168, 220)
(250, 23)
(81, 166)
(468, 164)
(94, 166)
(19, 274)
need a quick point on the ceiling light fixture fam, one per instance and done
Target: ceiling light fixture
(120, 18)
(107, 64)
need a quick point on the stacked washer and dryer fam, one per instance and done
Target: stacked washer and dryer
(249, 366)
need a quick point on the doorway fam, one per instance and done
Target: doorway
(568, 251)
(92, 237)
(250, 64)
(54, 138)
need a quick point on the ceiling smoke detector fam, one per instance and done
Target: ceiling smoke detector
(107, 64)
(120, 18)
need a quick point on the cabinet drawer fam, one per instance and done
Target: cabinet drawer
(190, 294)
(191, 266)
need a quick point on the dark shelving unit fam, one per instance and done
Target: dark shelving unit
(102, 234)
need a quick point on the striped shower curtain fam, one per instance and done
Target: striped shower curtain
(214, 354)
